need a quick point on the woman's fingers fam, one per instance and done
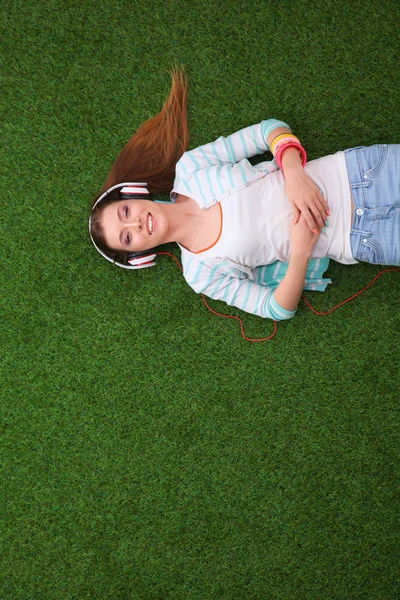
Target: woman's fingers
(319, 208)
(307, 199)
(296, 213)
(319, 214)
(313, 216)
(311, 221)
(324, 203)
(316, 214)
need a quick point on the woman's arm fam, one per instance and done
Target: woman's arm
(245, 143)
(211, 172)
(304, 195)
(288, 293)
(226, 281)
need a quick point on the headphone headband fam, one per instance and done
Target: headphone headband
(132, 190)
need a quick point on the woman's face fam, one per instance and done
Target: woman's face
(134, 225)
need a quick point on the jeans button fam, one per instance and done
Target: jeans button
(359, 212)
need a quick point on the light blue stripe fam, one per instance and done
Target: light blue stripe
(276, 313)
(207, 170)
(187, 186)
(213, 148)
(199, 270)
(279, 311)
(196, 164)
(227, 151)
(245, 150)
(314, 268)
(215, 289)
(228, 169)
(235, 293)
(268, 130)
(243, 172)
(261, 274)
(212, 275)
(226, 291)
(253, 131)
(187, 267)
(269, 125)
(233, 153)
(213, 271)
(247, 296)
(181, 164)
(206, 157)
(196, 176)
(218, 177)
(282, 270)
(259, 298)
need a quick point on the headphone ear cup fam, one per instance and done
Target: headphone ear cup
(134, 255)
(135, 192)
(140, 260)
(135, 197)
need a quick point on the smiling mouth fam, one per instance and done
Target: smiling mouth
(150, 224)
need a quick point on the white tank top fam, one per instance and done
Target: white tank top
(256, 219)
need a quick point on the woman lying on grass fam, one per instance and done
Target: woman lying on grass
(252, 236)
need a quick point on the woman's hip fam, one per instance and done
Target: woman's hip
(374, 176)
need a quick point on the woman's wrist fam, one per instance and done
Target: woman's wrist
(291, 161)
(288, 292)
(300, 256)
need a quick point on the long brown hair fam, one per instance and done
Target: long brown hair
(152, 152)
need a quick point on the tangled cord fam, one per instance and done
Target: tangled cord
(320, 314)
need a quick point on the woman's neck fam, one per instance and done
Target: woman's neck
(184, 217)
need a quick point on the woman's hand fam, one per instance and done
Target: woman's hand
(306, 199)
(302, 238)
(304, 195)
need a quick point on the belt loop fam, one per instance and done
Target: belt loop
(361, 184)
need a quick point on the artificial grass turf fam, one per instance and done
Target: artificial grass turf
(148, 451)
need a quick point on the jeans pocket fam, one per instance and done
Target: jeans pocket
(373, 160)
(371, 251)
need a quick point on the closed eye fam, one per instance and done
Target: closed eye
(126, 211)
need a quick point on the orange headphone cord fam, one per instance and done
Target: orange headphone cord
(320, 314)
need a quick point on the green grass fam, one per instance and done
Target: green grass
(147, 450)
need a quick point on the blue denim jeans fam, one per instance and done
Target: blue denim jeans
(374, 175)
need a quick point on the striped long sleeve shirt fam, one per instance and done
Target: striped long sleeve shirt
(211, 173)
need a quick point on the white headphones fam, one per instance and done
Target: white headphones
(131, 191)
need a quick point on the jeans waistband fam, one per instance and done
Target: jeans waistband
(353, 166)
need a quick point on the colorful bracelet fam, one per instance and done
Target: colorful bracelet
(289, 144)
(280, 138)
(284, 141)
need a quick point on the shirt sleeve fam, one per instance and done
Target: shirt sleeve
(229, 150)
(224, 282)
